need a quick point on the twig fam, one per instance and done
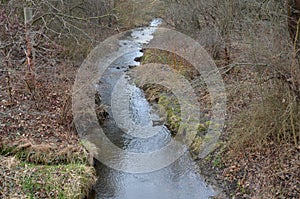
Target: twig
(287, 78)
(231, 66)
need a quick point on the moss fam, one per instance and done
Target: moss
(5, 150)
(164, 97)
(75, 178)
(173, 121)
(196, 146)
(217, 161)
(29, 171)
(42, 181)
(172, 108)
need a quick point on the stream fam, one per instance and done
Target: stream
(180, 180)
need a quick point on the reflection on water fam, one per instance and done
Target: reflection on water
(177, 181)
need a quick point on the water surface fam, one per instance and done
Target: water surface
(179, 180)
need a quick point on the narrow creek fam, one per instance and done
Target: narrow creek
(180, 180)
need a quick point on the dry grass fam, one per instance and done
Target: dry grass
(273, 117)
(23, 180)
(45, 154)
(260, 155)
(134, 13)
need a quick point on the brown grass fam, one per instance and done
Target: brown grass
(273, 117)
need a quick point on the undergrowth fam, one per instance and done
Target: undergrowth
(274, 117)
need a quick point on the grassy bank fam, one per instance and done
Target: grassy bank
(27, 180)
(44, 170)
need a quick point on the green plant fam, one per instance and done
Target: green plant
(217, 161)
(47, 180)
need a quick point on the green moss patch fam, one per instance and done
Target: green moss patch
(44, 171)
(25, 180)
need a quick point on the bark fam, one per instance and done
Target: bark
(293, 10)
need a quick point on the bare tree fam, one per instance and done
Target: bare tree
(36, 34)
(293, 11)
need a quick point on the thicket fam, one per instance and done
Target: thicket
(253, 37)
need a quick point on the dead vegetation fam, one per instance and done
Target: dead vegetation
(40, 151)
(250, 42)
(19, 180)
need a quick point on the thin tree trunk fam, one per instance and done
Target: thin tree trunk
(30, 73)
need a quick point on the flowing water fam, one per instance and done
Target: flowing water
(176, 181)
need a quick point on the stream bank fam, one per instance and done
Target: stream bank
(180, 179)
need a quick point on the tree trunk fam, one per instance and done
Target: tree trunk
(293, 9)
(29, 74)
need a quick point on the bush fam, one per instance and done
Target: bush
(272, 118)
